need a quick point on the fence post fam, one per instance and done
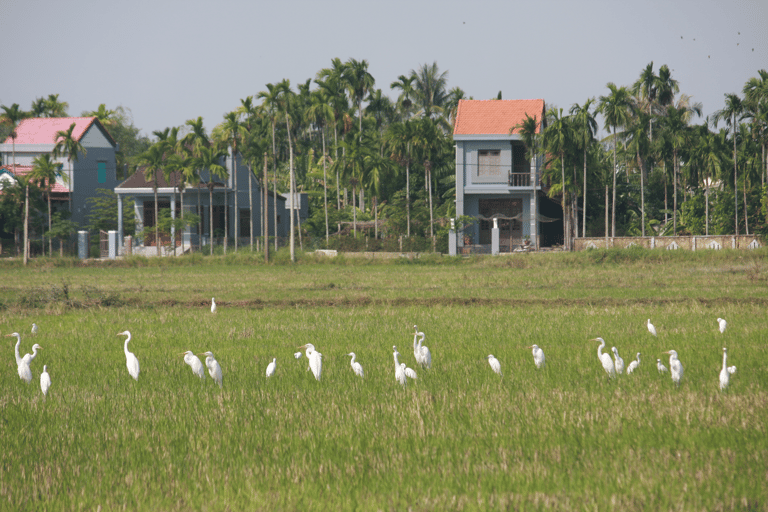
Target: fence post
(83, 245)
(452, 239)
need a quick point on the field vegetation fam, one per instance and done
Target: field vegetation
(458, 438)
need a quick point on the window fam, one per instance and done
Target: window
(102, 175)
(489, 163)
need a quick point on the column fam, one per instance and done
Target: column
(452, 239)
(495, 237)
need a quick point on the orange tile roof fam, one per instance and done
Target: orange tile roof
(42, 130)
(494, 117)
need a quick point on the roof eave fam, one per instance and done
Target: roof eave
(492, 136)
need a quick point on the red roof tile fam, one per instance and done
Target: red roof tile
(494, 117)
(22, 170)
(42, 130)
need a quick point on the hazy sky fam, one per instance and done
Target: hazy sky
(171, 61)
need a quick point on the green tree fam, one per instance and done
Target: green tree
(152, 162)
(400, 137)
(615, 109)
(733, 109)
(231, 132)
(67, 144)
(320, 113)
(106, 117)
(586, 127)
(271, 107)
(359, 82)
(12, 116)
(44, 172)
(558, 140)
(529, 132)
(209, 158)
(429, 86)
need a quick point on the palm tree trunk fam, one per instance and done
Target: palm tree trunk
(250, 201)
(666, 207)
(265, 218)
(706, 210)
(746, 220)
(408, 191)
(290, 186)
(642, 197)
(735, 178)
(431, 215)
(237, 211)
(584, 200)
(274, 181)
(181, 210)
(613, 206)
(566, 215)
(210, 213)
(325, 190)
(26, 225)
(674, 193)
(157, 238)
(606, 216)
(50, 240)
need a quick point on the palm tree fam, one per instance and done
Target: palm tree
(428, 142)
(733, 109)
(756, 108)
(404, 100)
(319, 113)
(400, 137)
(558, 138)
(271, 107)
(359, 82)
(232, 132)
(285, 97)
(331, 82)
(152, 160)
(586, 127)
(54, 107)
(44, 171)
(12, 116)
(615, 108)
(103, 114)
(194, 140)
(67, 144)
(676, 123)
(709, 154)
(529, 132)
(429, 88)
(639, 143)
(208, 159)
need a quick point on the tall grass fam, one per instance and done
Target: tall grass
(458, 438)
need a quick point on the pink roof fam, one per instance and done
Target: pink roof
(42, 130)
(21, 170)
(495, 117)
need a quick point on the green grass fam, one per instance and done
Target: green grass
(459, 438)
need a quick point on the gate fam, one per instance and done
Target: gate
(103, 244)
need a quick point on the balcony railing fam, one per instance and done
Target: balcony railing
(520, 179)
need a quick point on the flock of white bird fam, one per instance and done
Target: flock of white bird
(613, 367)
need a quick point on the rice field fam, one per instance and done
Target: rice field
(458, 438)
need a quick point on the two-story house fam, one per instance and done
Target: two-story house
(94, 169)
(494, 178)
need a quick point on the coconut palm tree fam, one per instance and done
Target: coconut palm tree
(231, 133)
(67, 144)
(284, 98)
(359, 83)
(429, 89)
(405, 98)
(615, 109)
(733, 108)
(44, 171)
(331, 82)
(103, 114)
(193, 141)
(586, 127)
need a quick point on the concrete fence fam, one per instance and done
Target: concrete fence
(688, 243)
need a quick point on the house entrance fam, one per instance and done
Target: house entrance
(510, 228)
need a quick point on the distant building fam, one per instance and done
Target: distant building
(93, 170)
(494, 179)
(197, 200)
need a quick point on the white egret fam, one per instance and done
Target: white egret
(194, 362)
(271, 367)
(399, 370)
(16, 348)
(675, 366)
(22, 366)
(356, 367)
(130, 360)
(213, 304)
(421, 353)
(619, 361)
(538, 356)
(34, 329)
(297, 355)
(214, 368)
(315, 360)
(45, 380)
(28, 358)
(409, 372)
(731, 370)
(605, 359)
(634, 364)
(651, 328)
(660, 366)
(725, 375)
(723, 324)
(495, 364)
